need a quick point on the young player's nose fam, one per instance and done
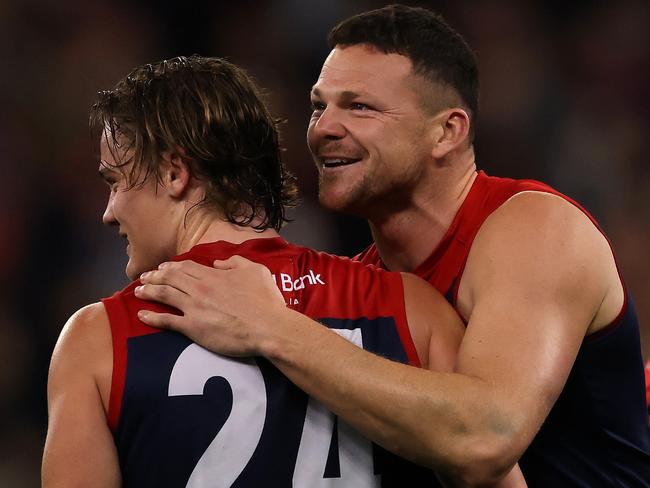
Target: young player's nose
(108, 218)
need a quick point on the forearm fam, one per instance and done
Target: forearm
(445, 421)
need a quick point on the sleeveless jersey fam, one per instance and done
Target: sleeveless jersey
(597, 433)
(182, 416)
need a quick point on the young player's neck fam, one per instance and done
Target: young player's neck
(406, 238)
(208, 226)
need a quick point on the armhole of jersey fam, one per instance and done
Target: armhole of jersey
(118, 319)
(621, 313)
(614, 323)
(618, 320)
(403, 325)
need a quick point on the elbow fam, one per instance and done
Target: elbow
(480, 462)
(483, 469)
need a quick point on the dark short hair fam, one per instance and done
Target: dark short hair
(437, 52)
(212, 111)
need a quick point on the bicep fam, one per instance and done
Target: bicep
(534, 290)
(79, 448)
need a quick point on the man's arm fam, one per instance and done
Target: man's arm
(536, 280)
(437, 332)
(79, 450)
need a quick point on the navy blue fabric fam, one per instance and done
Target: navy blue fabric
(161, 438)
(597, 433)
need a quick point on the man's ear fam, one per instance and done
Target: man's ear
(176, 175)
(451, 130)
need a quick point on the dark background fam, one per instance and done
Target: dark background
(564, 99)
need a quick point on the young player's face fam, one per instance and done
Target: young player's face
(368, 133)
(141, 213)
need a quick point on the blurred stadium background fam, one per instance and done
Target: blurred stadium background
(565, 99)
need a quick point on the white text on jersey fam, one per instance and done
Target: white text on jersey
(287, 283)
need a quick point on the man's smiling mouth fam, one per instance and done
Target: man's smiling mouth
(337, 162)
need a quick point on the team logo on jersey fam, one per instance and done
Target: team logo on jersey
(288, 283)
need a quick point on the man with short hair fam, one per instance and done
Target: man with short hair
(549, 370)
(192, 160)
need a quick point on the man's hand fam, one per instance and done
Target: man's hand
(227, 309)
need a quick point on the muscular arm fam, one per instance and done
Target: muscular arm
(538, 278)
(534, 285)
(79, 449)
(437, 332)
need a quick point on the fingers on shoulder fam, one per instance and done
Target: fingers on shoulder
(236, 261)
(231, 262)
(161, 320)
(171, 270)
(171, 295)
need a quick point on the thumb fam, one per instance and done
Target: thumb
(231, 263)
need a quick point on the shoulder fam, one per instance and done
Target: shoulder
(549, 201)
(435, 327)
(346, 271)
(83, 350)
(84, 326)
(337, 285)
(532, 222)
(540, 242)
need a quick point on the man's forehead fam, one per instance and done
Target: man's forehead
(365, 60)
(361, 65)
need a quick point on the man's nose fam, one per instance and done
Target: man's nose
(329, 125)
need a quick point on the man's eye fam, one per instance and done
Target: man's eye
(359, 106)
(317, 106)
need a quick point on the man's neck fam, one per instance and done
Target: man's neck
(202, 226)
(406, 238)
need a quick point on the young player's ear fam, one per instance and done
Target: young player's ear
(451, 131)
(176, 176)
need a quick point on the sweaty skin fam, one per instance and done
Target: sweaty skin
(537, 253)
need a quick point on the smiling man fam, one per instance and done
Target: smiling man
(373, 127)
(549, 370)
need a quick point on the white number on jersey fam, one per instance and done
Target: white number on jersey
(232, 448)
(355, 452)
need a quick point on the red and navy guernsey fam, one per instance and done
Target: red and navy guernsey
(185, 417)
(597, 433)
